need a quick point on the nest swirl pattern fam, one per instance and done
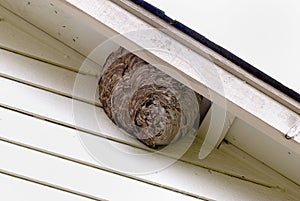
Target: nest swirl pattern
(145, 102)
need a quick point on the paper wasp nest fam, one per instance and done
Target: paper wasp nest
(145, 102)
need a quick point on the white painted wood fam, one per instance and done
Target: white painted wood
(228, 156)
(64, 143)
(215, 126)
(19, 36)
(75, 177)
(48, 76)
(294, 132)
(15, 189)
(259, 145)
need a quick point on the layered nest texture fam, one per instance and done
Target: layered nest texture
(145, 102)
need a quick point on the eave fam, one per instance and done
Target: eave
(266, 109)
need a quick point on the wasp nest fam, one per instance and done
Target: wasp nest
(145, 102)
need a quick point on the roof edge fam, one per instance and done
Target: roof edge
(220, 50)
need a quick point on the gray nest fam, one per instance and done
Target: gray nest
(145, 102)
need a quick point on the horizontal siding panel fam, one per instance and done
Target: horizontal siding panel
(60, 109)
(15, 189)
(62, 81)
(68, 175)
(65, 143)
(47, 76)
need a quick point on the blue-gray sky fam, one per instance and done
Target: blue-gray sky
(265, 33)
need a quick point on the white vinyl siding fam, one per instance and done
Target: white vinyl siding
(41, 151)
